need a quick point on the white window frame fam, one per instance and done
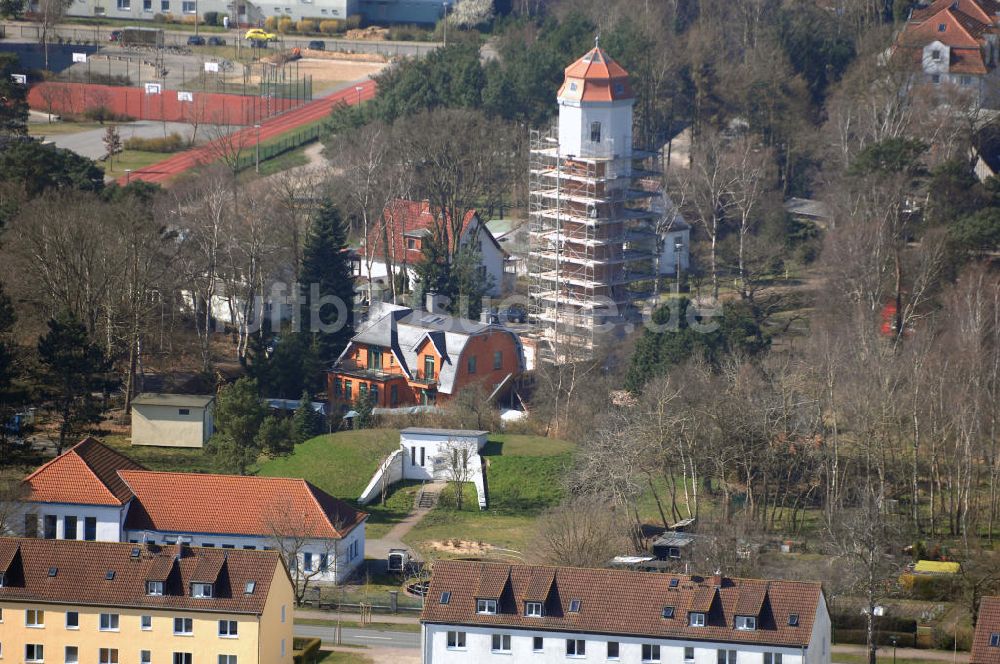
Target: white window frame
(618, 650)
(188, 7)
(154, 588)
(198, 590)
(538, 644)
(109, 622)
(107, 655)
(229, 629)
(228, 659)
(31, 618)
(533, 609)
(76, 655)
(504, 643)
(187, 658)
(746, 623)
(486, 606)
(73, 613)
(145, 656)
(686, 650)
(36, 649)
(653, 652)
(143, 620)
(455, 640)
(124, 5)
(184, 623)
(696, 619)
(576, 648)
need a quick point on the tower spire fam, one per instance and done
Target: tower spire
(597, 40)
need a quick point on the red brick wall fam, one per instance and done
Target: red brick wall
(207, 107)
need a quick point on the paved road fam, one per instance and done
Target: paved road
(19, 31)
(90, 143)
(361, 637)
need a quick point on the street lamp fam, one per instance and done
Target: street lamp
(358, 89)
(445, 5)
(893, 640)
(128, 175)
(257, 160)
(678, 246)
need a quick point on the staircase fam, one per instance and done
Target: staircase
(426, 499)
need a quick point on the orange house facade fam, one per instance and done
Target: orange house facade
(404, 358)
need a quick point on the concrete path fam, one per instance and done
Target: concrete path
(379, 548)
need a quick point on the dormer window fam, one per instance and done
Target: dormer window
(249, 587)
(942, 27)
(201, 590)
(486, 606)
(574, 606)
(533, 609)
(793, 620)
(748, 623)
(668, 612)
(696, 619)
(154, 588)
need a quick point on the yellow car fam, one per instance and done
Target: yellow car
(256, 34)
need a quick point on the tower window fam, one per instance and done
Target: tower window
(595, 132)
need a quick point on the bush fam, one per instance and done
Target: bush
(408, 33)
(104, 114)
(330, 27)
(286, 25)
(930, 588)
(189, 20)
(270, 23)
(854, 621)
(306, 26)
(171, 143)
(211, 18)
(945, 638)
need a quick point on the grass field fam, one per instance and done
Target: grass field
(284, 161)
(132, 160)
(524, 476)
(162, 458)
(60, 128)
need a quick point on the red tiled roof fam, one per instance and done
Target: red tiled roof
(984, 11)
(84, 474)
(235, 505)
(408, 218)
(987, 625)
(967, 61)
(596, 77)
(961, 30)
(81, 571)
(625, 602)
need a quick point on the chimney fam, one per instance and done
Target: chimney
(436, 303)
(717, 578)
(488, 317)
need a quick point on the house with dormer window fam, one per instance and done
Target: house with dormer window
(954, 46)
(488, 612)
(986, 641)
(109, 602)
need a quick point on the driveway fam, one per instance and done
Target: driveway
(379, 548)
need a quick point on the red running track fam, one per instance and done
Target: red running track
(247, 137)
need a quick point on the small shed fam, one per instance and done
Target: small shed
(673, 546)
(172, 420)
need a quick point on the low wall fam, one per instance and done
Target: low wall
(391, 469)
(204, 107)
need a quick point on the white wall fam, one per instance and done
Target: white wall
(343, 560)
(492, 257)
(165, 426)
(433, 451)
(479, 639)
(109, 519)
(820, 641)
(392, 469)
(575, 119)
(668, 256)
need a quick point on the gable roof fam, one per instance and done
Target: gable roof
(984, 11)
(87, 474)
(596, 77)
(987, 625)
(175, 400)
(624, 602)
(404, 331)
(235, 505)
(412, 219)
(82, 571)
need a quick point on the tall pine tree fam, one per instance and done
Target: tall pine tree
(327, 285)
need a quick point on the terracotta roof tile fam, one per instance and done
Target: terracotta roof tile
(596, 77)
(982, 10)
(235, 505)
(750, 597)
(85, 474)
(492, 581)
(623, 602)
(702, 599)
(408, 219)
(987, 625)
(82, 570)
(538, 587)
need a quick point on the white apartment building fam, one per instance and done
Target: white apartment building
(490, 612)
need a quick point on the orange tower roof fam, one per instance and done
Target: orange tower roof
(596, 77)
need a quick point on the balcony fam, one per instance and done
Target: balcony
(423, 378)
(368, 374)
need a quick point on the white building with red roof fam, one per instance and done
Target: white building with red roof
(410, 225)
(91, 492)
(955, 42)
(490, 612)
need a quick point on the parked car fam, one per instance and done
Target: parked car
(513, 314)
(196, 40)
(115, 36)
(216, 41)
(256, 34)
(317, 45)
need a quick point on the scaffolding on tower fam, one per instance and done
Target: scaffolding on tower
(594, 234)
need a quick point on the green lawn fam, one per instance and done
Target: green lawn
(284, 161)
(175, 459)
(133, 160)
(341, 657)
(524, 477)
(341, 463)
(60, 127)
